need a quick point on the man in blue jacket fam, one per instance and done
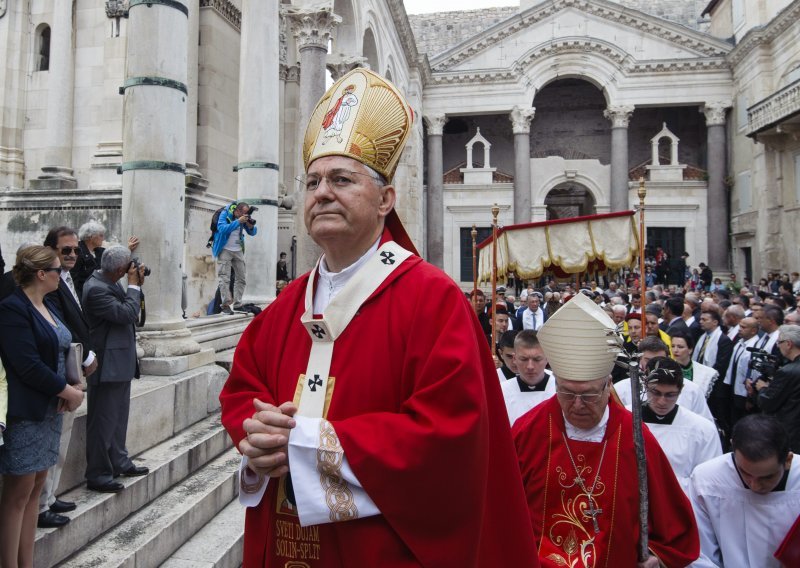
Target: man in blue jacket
(228, 249)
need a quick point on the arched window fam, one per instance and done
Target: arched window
(43, 48)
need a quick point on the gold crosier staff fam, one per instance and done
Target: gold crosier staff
(636, 396)
(474, 235)
(495, 213)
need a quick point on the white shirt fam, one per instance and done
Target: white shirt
(519, 402)
(737, 370)
(738, 527)
(67, 278)
(529, 318)
(592, 434)
(691, 397)
(689, 441)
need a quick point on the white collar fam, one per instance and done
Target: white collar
(594, 434)
(331, 283)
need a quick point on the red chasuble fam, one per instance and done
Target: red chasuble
(560, 510)
(420, 417)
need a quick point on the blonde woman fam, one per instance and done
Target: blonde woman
(33, 347)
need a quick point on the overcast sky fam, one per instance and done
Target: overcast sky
(425, 6)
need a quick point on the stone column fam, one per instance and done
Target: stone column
(521, 125)
(717, 199)
(194, 178)
(153, 168)
(257, 169)
(435, 201)
(57, 166)
(14, 44)
(619, 117)
(312, 32)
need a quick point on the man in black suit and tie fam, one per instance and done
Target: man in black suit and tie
(112, 314)
(64, 241)
(673, 316)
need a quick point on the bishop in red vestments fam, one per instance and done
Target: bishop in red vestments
(578, 462)
(389, 446)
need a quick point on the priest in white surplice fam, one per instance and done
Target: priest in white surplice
(533, 384)
(687, 438)
(746, 501)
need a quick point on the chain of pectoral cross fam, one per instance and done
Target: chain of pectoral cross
(592, 510)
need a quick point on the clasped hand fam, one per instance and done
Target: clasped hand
(267, 442)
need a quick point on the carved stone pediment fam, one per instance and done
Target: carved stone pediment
(630, 40)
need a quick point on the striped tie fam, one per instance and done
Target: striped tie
(703, 348)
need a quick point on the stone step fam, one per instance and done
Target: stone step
(170, 462)
(219, 331)
(225, 359)
(160, 408)
(219, 544)
(149, 536)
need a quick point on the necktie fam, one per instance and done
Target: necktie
(703, 348)
(71, 286)
(534, 320)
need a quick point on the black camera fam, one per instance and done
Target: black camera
(250, 220)
(135, 263)
(763, 362)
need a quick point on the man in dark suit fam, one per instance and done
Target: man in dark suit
(673, 316)
(65, 242)
(112, 314)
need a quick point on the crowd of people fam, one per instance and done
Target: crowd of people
(67, 331)
(721, 370)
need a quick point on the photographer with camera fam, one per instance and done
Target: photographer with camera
(228, 249)
(112, 314)
(780, 396)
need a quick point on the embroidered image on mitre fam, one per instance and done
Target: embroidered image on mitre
(362, 116)
(579, 341)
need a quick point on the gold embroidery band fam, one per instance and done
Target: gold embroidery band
(330, 458)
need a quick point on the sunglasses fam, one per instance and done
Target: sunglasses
(69, 250)
(51, 269)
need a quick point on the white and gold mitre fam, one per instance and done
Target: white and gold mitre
(579, 341)
(362, 116)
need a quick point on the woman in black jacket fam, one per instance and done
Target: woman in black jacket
(33, 347)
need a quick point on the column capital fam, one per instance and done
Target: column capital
(715, 112)
(339, 65)
(289, 73)
(619, 115)
(435, 123)
(520, 118)
(312, 28)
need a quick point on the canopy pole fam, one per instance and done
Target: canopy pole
(638, 436)
(495, 213)
(474, 235)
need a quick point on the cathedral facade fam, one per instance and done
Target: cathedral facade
(551, 109)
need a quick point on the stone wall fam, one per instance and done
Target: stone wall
(439, 31)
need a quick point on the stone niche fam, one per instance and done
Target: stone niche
(665, 172)
(478, 176)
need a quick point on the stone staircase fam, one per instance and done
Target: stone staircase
(185, 512)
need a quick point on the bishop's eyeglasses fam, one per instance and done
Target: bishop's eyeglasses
(338, 180)
(586, 398)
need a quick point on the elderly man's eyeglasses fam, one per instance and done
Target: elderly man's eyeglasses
(338, 180)
(586, 398)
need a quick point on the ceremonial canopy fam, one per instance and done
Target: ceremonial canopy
(564, 246)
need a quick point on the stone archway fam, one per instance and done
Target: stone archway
(569, 199)
(370, 50)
